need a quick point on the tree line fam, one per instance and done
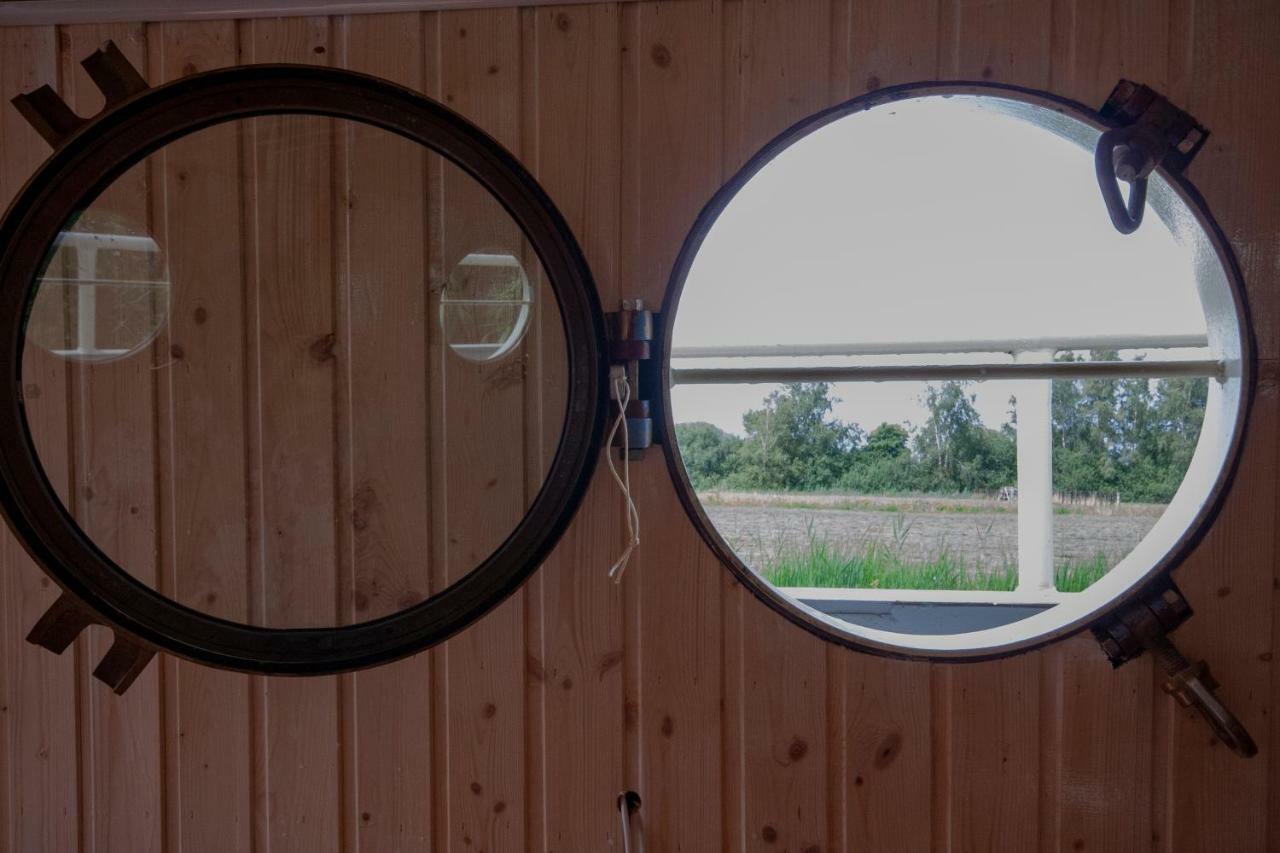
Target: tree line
(1132, 437)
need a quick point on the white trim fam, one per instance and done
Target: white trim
(930, 596)
(32, 13)
(769, 375)
(1010, 345)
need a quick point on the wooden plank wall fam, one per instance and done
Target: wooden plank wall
(740, 732)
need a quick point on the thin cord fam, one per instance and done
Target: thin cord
(626, 824)
(622, 391)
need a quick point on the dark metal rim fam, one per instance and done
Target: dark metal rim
(799, 615)
(125, 133)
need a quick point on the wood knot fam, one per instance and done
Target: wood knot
(873, 83)
(768, 834)
(563, 22)
(322, 347)
(661, 55)
(888, 750)
(533, 667)
(668, 726)
(489, 711)
(798, 749)
(200, 315)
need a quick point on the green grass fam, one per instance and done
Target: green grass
(877, 565)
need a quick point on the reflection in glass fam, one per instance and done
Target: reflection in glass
(105, 292)
(484, 309)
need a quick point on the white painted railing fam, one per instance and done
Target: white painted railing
(1033, 367)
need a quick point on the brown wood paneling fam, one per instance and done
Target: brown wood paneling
(581, 688)
(384, 329)
(483, 416)
(40, 753)
(203, 448)
(113, 433)
(672, 156)
(740, 731)
(293, 503)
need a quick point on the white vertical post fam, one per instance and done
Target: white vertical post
(1034, 409)
(86, 299)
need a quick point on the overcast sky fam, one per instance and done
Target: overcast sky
(933, 218)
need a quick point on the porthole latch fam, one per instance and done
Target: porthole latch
(1144, 625)
(633, 331)
(1146, 131)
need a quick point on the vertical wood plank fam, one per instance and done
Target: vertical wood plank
(204, 550)
(889, 754)
(116, 504)
(892, 43)
(994, 738)
(40, 802)
(672, 159)
(482, 412)
(577, 109)
(1007, 41)
(295, 582)
(386, 509)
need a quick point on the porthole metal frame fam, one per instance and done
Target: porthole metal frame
(810, 619)
(84, 164)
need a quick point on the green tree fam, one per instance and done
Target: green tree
(709, 453)
(793, 442)
(956, 451)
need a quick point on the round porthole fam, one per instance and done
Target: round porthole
(271, 389)
(925, 399)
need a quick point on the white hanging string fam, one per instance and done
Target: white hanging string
(622, 392)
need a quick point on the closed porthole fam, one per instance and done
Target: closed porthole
(925, 399)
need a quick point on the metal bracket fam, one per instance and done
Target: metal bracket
(108, 68)
(1146, 131)
(62, 623)
(1145, 625)
(633, 342)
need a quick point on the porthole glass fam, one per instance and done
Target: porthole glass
(265, 453)
(926, 398)
(301, 415)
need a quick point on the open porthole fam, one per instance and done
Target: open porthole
(236, 424)
(925, 400)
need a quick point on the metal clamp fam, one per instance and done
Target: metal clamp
(1148, 132)
(1144, 626)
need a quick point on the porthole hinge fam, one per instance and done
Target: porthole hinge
(1146, 131)
(633, 347)
(1144, 625)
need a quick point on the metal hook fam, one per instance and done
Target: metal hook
(1121, 155)
(1192, 686)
